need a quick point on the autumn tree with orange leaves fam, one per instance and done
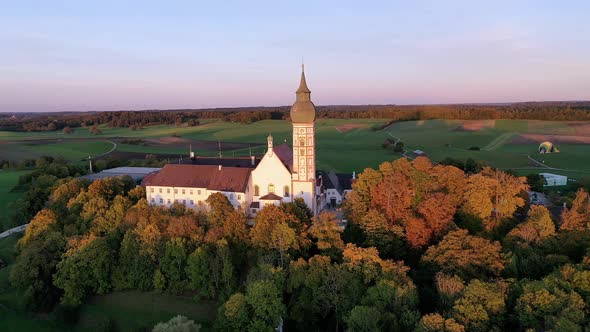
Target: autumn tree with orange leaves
(417, 196)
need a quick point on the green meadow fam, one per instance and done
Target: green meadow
(342, 145)
(8, 179)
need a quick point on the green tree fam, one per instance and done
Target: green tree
(363, 318)
(85, 271)
(172, 264)
(177, 324)
(265, 302)
(32, 273)
(234, 314)
(481, 306)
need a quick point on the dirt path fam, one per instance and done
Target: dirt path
(110, 151)
(498, 141)
(11, 231)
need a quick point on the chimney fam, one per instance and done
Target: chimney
(353, 175)
(253, 160)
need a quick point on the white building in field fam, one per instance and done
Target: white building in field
(554, 179)
(281, 175)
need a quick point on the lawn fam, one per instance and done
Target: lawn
(8, 179)
(70, 149)
(133, 310)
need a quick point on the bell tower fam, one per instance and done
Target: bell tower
(303, 121)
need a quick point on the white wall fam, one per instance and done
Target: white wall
(271, 170)
(191, 197)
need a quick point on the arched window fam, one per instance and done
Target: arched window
(271, 188)
(302, 142)
(256, 190)
(286, 191)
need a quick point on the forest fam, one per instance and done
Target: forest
(427, 248)
(556, 111)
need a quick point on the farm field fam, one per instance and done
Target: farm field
(342, 145)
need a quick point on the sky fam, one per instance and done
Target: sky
(112, 55)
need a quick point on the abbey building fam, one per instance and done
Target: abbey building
(281, 175)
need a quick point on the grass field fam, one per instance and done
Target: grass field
(342, 145)
(8, 180)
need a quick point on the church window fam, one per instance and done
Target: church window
(256, 190)
(271, 188)
(176, 191)
(286, 191)
(183, 191)
(302, 142)
(199, 192)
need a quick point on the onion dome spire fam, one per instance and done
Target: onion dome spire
(303, 110)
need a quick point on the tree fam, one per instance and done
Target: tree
(327, 233)
(544, 306)
(32, 273)
(95, 130)
(537, 227)
(67, 130)
(481, 306)
(85, 270)
(133, 269)
(437, 323)
(177, 324)
(578, 217)
(493, 195)
(363, 318)
(172, 264)
(266, 306)
(234, 314)
(271, 231)
(466, 255)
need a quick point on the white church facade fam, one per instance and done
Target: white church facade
(281, 175)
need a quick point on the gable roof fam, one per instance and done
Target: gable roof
(271, 197)
(285, 154)
(232, 179)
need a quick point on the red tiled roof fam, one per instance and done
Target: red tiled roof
(285, 154)
(271, 197)
(232, 179)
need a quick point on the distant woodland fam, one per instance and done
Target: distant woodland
(556, 111)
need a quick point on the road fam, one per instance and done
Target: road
(11, 231)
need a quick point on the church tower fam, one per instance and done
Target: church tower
(303, 121)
